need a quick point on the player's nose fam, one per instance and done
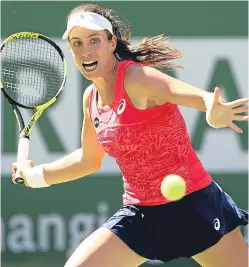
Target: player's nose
(85, 53)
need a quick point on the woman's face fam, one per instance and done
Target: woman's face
(92, 51)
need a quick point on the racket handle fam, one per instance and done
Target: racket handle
(22, 154)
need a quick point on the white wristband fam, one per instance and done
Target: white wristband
(35, 177)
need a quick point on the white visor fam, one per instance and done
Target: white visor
(88, 20)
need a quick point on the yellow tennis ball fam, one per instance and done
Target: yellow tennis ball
(173, 187)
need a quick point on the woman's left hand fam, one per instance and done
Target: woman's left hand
(221, 114)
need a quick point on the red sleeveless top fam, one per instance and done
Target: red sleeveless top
(146, 144)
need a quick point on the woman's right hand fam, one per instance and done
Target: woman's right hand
(19, 168)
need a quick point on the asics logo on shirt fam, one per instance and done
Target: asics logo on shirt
(121, 106)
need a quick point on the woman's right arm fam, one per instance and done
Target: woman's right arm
(79, 163)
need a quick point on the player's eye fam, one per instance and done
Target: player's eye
(77, 43)
(94, 40)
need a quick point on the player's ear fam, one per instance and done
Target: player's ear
(113, 43)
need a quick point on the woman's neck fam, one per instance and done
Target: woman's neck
(106, 85)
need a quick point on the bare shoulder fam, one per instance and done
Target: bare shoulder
(137, 73)
(134, 74)
(143, 81)
(86, 96)
(134, 78)
(87, 93)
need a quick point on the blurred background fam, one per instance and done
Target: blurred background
(41, 227)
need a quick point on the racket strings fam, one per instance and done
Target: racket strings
(32, 71)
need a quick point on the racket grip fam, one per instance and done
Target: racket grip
(22, 154)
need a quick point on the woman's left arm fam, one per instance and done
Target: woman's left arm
(162, 88)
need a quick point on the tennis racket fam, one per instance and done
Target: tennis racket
(33, 74)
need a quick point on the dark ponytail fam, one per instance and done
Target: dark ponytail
(153, 52)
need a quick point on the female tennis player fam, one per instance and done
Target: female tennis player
(131, 113)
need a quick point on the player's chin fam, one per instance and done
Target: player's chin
(90, 74)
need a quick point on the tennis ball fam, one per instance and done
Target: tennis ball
(173, 187)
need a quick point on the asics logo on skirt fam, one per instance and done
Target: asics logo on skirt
(216, 223)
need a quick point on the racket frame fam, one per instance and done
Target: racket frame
(25, 130)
